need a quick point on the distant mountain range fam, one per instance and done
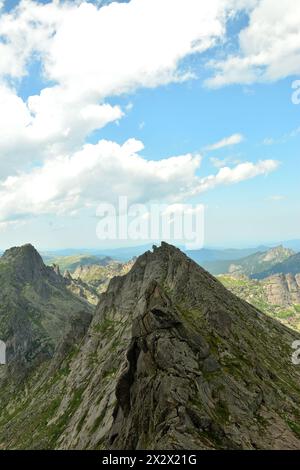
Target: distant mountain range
(257, 262)
(119, 254)
(70, 259)
(202, 255)
(206, 255)
(289, 266)
(71, 262)
(250, 265)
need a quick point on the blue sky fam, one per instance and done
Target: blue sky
(228, 92)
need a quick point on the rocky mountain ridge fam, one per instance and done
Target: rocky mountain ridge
(171, 360)
(283, 289)
(289, 266)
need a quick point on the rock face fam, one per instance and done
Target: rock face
(36, 310)
(98, 276)
(277, 296)
(81, 289)
(89, 281)
(171, 360)
(283, 289)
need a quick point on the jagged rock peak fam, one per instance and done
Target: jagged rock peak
(67, 274)
(16, 251)
(169, 261)
(26, 260)
(278, 253)
(56, 269)
(23, 253)
(164, 251)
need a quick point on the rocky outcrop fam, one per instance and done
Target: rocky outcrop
(81, 289)
(98, 276)
(277, 296)
(283, 289)
(161, 348)
(278, 254)
(36, 310)
(171, 360)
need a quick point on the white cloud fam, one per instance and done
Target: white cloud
(45, 126)
(241, 172)
(228, 141)
(102, 172)
(97, 173)
(269, 48)
(27, 29)
(117, 47)
(89, 54)
(134, 44)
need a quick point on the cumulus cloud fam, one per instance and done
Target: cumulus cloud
(226, 142)
(27, 29)
(136, 44)
(100, 173)
(97, 173)
(89, 53)
(46, 126)
(241, 172)
(269, 47)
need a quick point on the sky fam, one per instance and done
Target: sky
(162, 101)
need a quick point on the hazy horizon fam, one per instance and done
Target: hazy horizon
(98, 249)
